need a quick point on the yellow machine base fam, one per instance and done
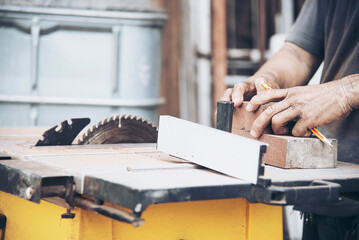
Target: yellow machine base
(215, 219)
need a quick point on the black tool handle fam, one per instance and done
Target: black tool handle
(224, 115)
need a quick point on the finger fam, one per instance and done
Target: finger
(263, 120)
(227, 95)
(307, 134)
(281, 119)
(283, 130)
(238, 93)
(267, 96)
(300, 129)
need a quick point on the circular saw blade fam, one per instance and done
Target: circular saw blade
(121, 129)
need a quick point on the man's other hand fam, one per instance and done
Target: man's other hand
(308, 106)
(244, 91)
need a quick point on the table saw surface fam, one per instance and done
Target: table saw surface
(133, 174)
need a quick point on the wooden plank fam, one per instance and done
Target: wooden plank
(24, 148)
(286, 151)
(262, 30)
(171, 57)
(219, 46)
(224, 152)
(296, 152)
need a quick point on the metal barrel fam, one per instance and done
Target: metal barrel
(79, 59)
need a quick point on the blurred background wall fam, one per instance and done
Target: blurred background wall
(65, 59)
(211, 45)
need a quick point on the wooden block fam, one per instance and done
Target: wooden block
(212, 148)
(286, 151)
(296, 152)
(243, 119)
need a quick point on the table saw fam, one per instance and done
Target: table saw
(96, 188)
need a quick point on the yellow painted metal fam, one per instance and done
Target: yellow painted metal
(215, 219)
(27, 220)
(264, 222)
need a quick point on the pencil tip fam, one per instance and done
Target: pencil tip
(327, 142)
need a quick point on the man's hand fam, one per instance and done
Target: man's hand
(291, 66)
(244, 91)
(309, 106)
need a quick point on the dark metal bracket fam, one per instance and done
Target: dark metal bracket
(2, 226)
(224, 116)
(314, 192)
(63, 134)
(108, 211)
(33, 181)
(224, 123)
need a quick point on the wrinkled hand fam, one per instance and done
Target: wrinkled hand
(309, 106)
(244, 91)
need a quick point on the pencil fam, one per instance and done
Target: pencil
(313, 130)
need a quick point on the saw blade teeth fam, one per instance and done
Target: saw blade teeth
(153, 124)
(97, 133)
(148, 122)
(58, 127)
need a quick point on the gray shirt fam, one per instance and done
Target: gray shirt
(329, 30)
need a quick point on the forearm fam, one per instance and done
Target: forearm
(291, 66)
(350, 87)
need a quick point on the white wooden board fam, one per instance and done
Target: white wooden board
(224, 152)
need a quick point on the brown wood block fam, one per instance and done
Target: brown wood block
(295, 152)
(286, 151)
(243, 120)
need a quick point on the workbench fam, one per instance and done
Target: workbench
(133, 191)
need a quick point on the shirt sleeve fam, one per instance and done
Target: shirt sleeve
(308, 30)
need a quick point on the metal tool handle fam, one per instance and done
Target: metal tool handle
(224, 115)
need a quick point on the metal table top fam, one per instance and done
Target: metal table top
(136, 175)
